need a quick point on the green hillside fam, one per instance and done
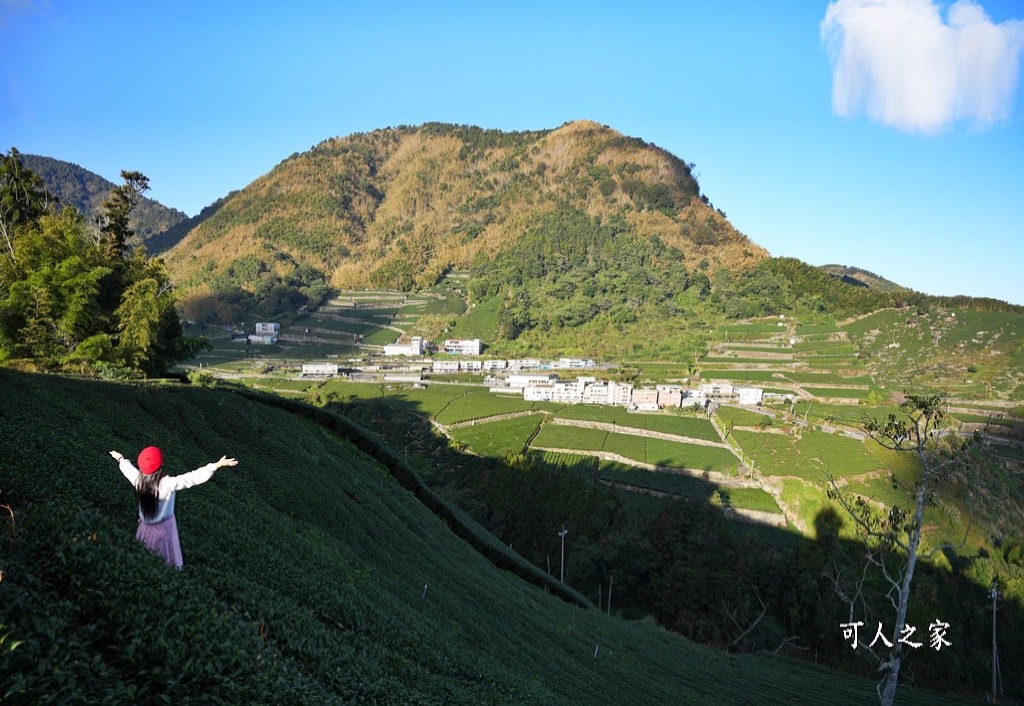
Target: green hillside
(311, 576)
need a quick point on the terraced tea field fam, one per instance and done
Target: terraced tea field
(498, 438)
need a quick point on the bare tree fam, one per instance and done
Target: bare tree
(892, 541)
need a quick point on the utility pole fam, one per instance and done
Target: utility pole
(562, 535)
(610, 579)
(996, 676)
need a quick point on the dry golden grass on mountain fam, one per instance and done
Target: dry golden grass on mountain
(423, 200)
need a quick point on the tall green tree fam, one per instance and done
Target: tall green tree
(114, 229)
(67, 298)
(23, 199)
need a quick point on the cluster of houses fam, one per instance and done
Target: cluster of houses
(451, 346)
(494, 366)
(590, 390)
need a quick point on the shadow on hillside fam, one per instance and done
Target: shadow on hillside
(679, 560)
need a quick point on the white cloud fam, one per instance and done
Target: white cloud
(900, 63)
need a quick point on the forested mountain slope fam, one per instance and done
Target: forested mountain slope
(86, 191)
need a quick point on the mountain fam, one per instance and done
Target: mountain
(399, 207)
(75, 186)
(311, 576)
(862, 278)
(577, 240)
(575, 229)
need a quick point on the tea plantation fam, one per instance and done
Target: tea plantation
(311, 576)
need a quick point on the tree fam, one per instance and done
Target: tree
(23, 200)
(114, 229)
(67, 299)
(892, 542)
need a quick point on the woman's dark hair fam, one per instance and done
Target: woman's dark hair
(146, 491)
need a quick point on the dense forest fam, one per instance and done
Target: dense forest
(71, 185)
(73, 295)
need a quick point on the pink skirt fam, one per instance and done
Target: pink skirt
(161, 538)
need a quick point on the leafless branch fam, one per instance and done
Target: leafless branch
(790, 643)
(753, 624)
(11, 513)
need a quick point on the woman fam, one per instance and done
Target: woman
(155, 493)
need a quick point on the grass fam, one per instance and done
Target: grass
(808, 458)
(659, 452)
(498, 438)
(553, 436)
(755, 361)
(808, 329)
(848, 393)
(480, 322)
(573, 463)
(749, 499)
(673, 454)
(742, 417)
(479, 404)
(678, 484)
(692, 427)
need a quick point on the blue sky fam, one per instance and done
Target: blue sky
(889, 136)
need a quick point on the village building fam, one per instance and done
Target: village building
(608, 393)
(645, 399)
(462, 346)
(718, 389)
(414, 347)
(562, 391)
(491, 365)
(268, 329)
(693, 398)
(265, 334)
(445, 366)
(572, 364)
(524, 364)
(669, 396)
(521, 380)
(749, 395)
(319, 370)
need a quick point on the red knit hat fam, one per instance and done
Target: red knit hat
(150, 460)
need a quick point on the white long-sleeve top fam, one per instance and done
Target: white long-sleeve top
(169, 485)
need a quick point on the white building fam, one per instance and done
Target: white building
(414, 347)
(750, 395)
(267, 329)
(472, 366)
(445, 366)
(563, 391)
(266, 334)
(490, 365)
(693, 398)
(319, 370)
(718, 389)
(462, 346)
(608, 393)
(521, 380)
